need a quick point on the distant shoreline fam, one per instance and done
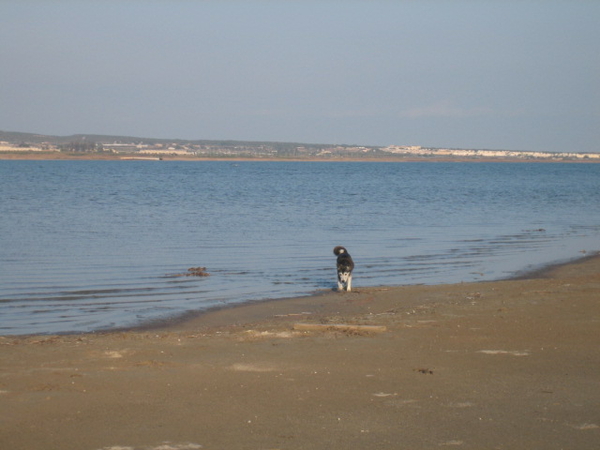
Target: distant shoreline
(68, 156)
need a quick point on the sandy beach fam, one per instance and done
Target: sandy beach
(497, 365)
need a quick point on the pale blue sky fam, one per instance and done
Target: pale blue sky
(520, 75)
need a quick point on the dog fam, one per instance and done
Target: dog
(345, 265)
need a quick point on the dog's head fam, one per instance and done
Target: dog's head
(339, 250)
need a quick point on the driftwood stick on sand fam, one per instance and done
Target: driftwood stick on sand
(339, 327)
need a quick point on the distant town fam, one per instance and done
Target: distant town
(28, 145)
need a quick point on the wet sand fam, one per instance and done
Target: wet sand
(497, 365)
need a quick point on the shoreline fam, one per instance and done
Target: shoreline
(256, 312)
(499, 364)
(168, 323)
(192, 316)
(60, 156)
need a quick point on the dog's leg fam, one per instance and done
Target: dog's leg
(344, 280)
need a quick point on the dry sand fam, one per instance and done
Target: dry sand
(500, 365)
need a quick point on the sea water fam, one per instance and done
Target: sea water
(97, 245)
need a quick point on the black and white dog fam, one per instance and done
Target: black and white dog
(344, 268)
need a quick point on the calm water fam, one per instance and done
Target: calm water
(92, 245)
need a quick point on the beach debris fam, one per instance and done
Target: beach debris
(460, 405)
(115, 353)
(424, 371)
(585, 426)
(167, 445)
(384, 394)
(197, 272)
(193, 272)
(303, 313)
(244, 367)
(452, 442)
(504, 352)
(254, 334)
(339, 327)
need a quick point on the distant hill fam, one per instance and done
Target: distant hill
(14, 137)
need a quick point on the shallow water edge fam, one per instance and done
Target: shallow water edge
(178, 321)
